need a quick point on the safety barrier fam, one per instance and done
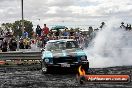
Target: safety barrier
(18, 55)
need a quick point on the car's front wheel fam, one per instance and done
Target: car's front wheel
(44, 68)
(86, 68)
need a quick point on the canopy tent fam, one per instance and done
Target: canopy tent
(58, 27)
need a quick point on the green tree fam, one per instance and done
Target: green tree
(17, 27)
(28, 27)
(7, 26)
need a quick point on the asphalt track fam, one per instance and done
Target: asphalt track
(18, 78)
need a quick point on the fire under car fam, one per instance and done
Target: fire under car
(63, 53)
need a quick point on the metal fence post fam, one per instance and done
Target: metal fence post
(17, 43)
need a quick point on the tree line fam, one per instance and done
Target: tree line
(16, 27)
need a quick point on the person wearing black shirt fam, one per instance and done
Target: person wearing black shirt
(38, 30)
(4, 46)
(21, 44)
(13, 45)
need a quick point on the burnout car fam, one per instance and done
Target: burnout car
(64, 53)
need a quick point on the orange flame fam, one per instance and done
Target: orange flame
(81, 71)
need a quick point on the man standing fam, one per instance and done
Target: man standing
(122, 25)
(4, 46)
(38, 30)
(25, 34)
(65, 34)
(102, 25)
(13, 44)
(45, 30)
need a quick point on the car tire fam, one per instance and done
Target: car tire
(85, 68)
(44, 68)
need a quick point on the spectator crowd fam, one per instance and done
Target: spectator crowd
(10, 43)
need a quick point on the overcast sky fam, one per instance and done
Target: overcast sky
(66, 12)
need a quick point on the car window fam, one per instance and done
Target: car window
(71, 44)
(51, 46)
(61, 45)
(55, 46)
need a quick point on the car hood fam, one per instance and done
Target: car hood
(63, 53)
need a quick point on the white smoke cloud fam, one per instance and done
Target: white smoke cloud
(112, 46)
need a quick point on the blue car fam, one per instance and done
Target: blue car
(63, 53)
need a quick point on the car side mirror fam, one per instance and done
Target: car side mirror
(42, 49)
(82, 48)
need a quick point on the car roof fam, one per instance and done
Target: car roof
(60, 40)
